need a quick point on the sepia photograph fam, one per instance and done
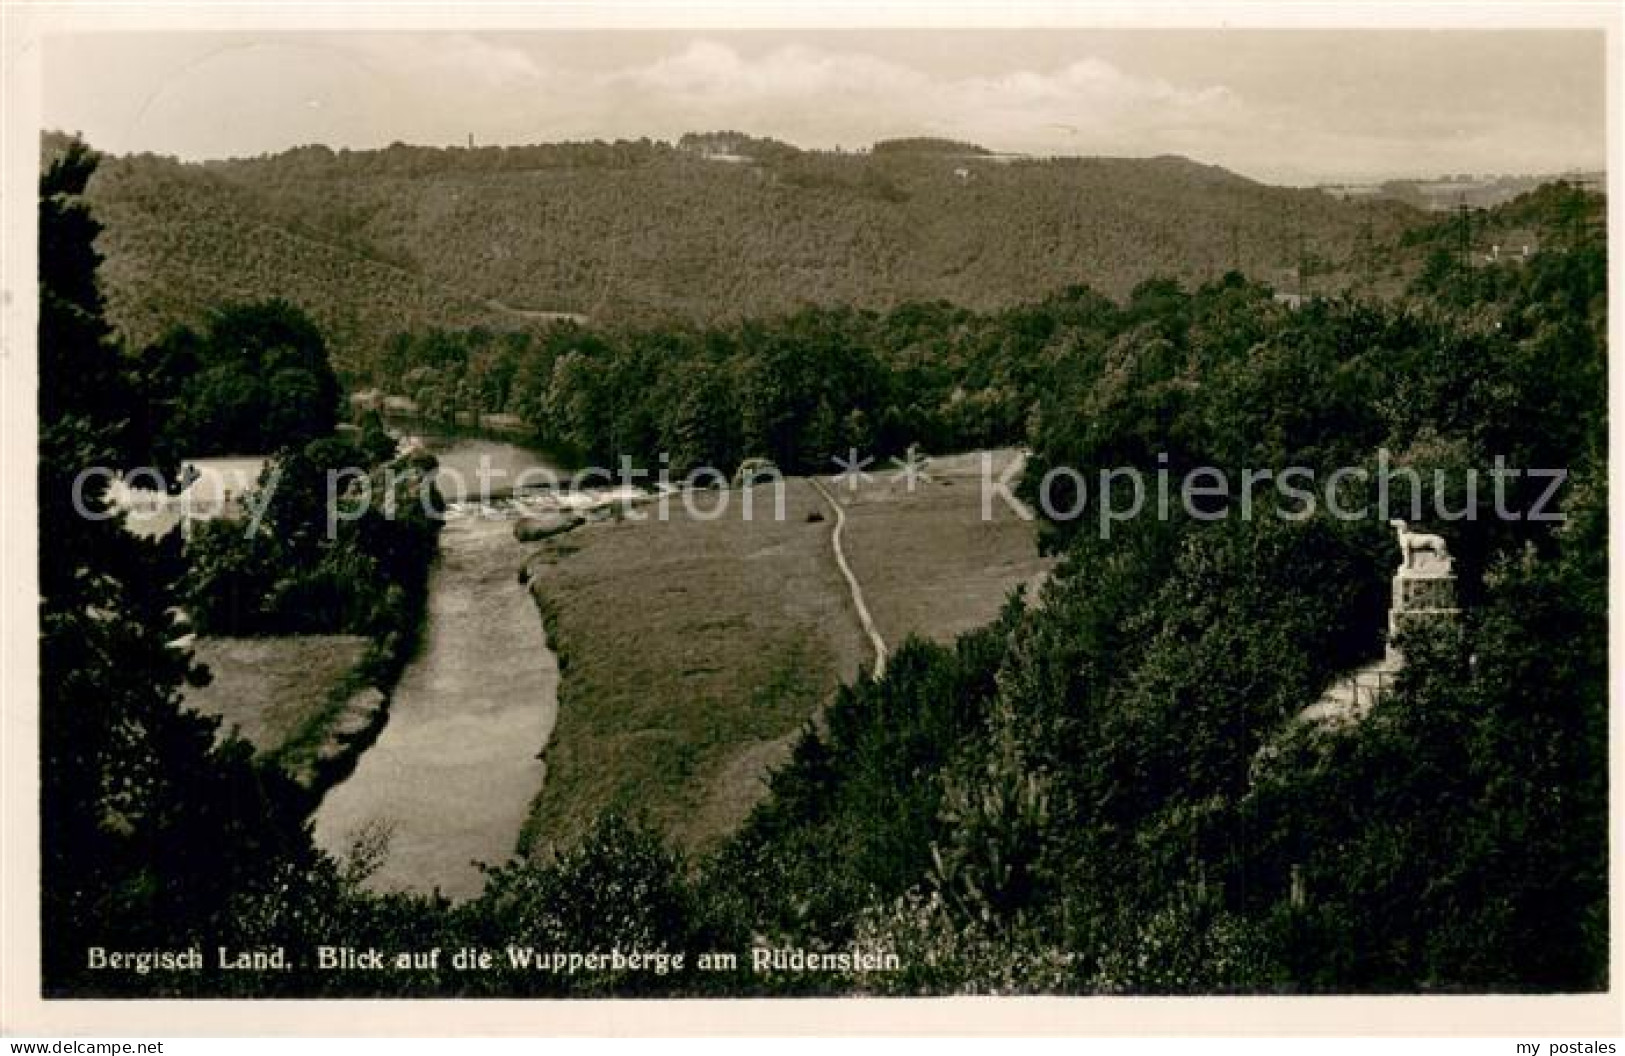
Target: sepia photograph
(713, 510)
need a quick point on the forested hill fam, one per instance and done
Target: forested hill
(371, 243)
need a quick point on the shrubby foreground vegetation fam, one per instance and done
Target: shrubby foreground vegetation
(1104, 791)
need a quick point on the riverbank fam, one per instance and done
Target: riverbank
(268, 690)
(452, 775)
(305, 615)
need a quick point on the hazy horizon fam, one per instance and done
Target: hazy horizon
(1285, 107)
(855, 149)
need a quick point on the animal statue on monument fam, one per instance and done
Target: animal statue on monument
(1414, 546)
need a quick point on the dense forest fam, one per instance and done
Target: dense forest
(795, 389)
(1107, 790)
(801, 387)
(719, 228)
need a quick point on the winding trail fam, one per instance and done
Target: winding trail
(864, 618)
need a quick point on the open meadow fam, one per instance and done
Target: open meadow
(929, 564)
(693, 650)
(269, 689)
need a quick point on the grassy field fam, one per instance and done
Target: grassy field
(694, 650)
(269, 688)
(928, 563)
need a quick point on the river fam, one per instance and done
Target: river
(456, 767)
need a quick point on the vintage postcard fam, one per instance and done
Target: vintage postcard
(1046, 506)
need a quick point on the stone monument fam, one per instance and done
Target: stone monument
(1424, 589)
(1424, 586)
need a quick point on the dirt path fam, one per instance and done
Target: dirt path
(864, 618)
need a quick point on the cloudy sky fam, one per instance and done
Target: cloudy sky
(1282, 106)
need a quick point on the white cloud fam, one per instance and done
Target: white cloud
(821, 98)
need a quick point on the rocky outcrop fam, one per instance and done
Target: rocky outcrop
(533, 528)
